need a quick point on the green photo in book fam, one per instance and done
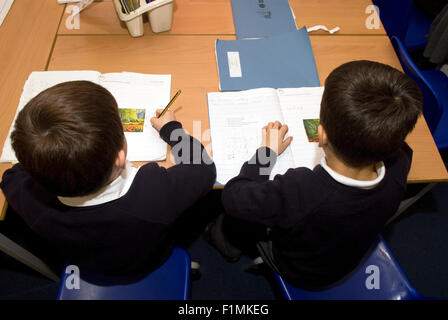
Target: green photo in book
(133, 119)
(311, 126)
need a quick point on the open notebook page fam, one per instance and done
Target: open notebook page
(299, 104)
(138, 96)
(236, 119)
(131, 90)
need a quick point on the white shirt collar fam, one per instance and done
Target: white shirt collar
(369, 184)
(114, 190)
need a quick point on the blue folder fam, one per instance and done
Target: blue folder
(284, 61)
(262, 18)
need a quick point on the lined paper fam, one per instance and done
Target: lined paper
(237, 118)
(5, 5)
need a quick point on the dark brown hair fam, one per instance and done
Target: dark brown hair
(368, 109)
(68, 137)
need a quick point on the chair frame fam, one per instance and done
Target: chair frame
(414, 72)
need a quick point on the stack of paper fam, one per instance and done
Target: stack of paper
(138, 96)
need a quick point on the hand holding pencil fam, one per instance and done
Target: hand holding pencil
(163, 116)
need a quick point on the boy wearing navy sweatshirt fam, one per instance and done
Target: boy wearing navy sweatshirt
(321, 222)
(75, 188)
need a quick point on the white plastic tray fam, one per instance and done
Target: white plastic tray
(160, 15)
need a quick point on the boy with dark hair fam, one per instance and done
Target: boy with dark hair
(74, 187)
(322, 221)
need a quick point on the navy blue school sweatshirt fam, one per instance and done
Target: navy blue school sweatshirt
(127, 235)
(320, 228)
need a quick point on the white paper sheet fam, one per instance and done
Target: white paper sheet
(5, 5)
(236, 120)
(131, 90)
(140, 91)
(298, 104)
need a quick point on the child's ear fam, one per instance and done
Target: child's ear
(120, 161)
(323, 139)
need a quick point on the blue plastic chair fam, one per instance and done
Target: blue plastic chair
(393, 283)
(171, 281)
(403, 20)
(434, 87)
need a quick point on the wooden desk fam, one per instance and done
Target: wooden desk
(189, 17)
(27, 36)
(192, 64)
(186, 51)
(215, 17)
(349, 15)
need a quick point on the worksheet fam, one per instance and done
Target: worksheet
(137, 95)
(236, 120)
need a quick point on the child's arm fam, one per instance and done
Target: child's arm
(250, 195)
(194, 173)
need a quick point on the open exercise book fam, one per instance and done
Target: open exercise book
(137, 95)
(236, 119)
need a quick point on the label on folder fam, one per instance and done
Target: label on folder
(284, 61)
(262, 18)
(233, 58)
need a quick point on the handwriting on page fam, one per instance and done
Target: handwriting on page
(236, 119)
(301, 106)
(240, 150)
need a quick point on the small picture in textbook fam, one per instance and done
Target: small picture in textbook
(133, 119)
(311, 126)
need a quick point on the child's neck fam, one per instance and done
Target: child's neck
(116, 172)
(365, 173)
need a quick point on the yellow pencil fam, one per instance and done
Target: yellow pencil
(169, 104)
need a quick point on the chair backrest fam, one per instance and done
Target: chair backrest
(378, 277)
(395, 15)
(432, 107)
(171, 281)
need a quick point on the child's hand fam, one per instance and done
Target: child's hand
(274, 137)
(158, 123)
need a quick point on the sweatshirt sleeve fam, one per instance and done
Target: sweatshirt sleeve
(253, 197)
(24, 195)
(193, 175)
(400, 164)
